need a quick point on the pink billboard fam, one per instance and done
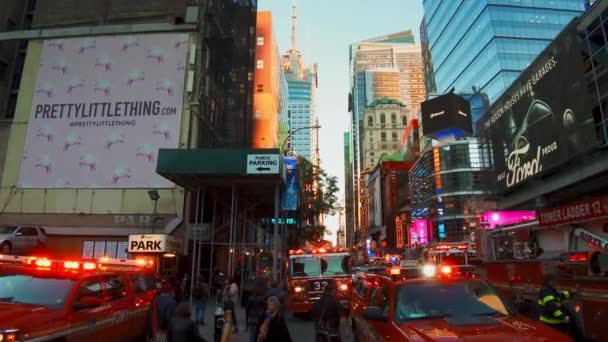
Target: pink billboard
(102, 108)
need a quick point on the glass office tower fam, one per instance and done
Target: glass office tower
(487, 43)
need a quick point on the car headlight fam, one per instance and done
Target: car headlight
(429, 270)
(9, 335)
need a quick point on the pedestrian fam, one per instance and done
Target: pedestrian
(271, 325)
(255, 308)
(551, 310)
(183, 328)
(276, 291)
(231, 294)
(326, 314)
(161, 311)
(199, 302)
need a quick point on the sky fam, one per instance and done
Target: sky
(325, 29)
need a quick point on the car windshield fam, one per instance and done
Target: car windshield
(326, 265)
(437, 299)
(29, 289)
(7, 230)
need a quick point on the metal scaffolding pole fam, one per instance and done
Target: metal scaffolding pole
(275, 239)
(242, 257)
(212, 240)
(234, 231)
(196, 210)
(200, 237)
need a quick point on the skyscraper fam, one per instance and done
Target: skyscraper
(302, 83)
(487, 43)
(373, 64)
(348, 190)
(269, 106)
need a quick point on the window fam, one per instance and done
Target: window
(404, 120)
(393, 118)
(383, 136)
(143, 283)
(370, 120)
(115, 287)
(383, 300)
(382, 119)
(259, 64)
(35, 290)
(89, 288)
(362, 288)
(28, 231)
(260, 41)
(394, 136)
(3, 71)
(372, 160)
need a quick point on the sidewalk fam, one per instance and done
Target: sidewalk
(208, 329)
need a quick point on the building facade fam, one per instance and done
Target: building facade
(302, 82)
(486, 44)
(269, 106)
(348, 191)
(70, 186)
(384, 123)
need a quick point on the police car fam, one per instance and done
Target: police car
(64, 300)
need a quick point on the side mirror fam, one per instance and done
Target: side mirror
(88, 302)
(374, 313)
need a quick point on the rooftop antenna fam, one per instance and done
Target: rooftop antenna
(294, 23)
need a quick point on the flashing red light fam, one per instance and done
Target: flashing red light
(579, 257)
(343, 287)
(71, 265)
(322, 250)
(89, 266)
(43, 263)
(463, 247)
(446, 269)
(291, 251)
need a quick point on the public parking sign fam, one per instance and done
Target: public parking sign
(154, 243)
(262, 164)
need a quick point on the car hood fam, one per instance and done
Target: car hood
(20, 316)
(482, 329)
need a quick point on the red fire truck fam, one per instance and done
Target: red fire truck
(517, 257)
(310, 270)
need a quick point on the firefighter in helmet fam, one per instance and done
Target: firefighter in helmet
(551, 310)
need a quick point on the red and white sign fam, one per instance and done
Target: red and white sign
(399, 231)
(579, 211)
(591, 239)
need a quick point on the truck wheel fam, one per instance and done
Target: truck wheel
(6, 248)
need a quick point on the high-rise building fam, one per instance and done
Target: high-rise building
(348, 190)
(270, 110)
(372, 64)
(485, 44)
(302, 82)
(384, 124)
(341, 233)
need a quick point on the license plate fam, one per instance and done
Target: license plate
(318, 285)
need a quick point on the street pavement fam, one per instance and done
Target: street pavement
(300, 328)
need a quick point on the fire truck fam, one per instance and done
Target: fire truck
(311, 269)
(516, 257)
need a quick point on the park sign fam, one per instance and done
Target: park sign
(263, 164)
(154, 243)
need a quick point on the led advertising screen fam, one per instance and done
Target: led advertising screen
(544, 118)
(446, 113)
(290, 194)
(102, 108)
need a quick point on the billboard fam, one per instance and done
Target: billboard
(102, 108)
(290, 194)
(448, 112)
(544, 118)
(375, 199)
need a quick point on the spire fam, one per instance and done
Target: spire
(294, 22)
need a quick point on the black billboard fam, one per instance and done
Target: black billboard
(446, 113)
(544, 118)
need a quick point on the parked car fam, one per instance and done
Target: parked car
(21, 240)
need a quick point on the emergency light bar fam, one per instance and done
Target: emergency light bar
(316, 251)
(103, 263)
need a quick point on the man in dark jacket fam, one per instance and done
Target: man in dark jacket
(326, 314)
(271, 325)
(551, 310)
(161, 310)
(183, 328)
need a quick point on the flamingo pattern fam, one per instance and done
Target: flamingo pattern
(136, 75)
(89, 161)
(105, 62)
(46, 132)
(75, 82)
(162, 128)
(114, 138)
(46, 88)
(72, 139)
(156, 53)
(104, 86)
(87, 44)
(181, 41)
(121, 173)
(62, 64)
(44, 162)
(130, 41)
(58, 43)
(145, 151)
(165, 85)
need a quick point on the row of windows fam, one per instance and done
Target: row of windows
(370, 119)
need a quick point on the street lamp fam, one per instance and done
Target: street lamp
(294, 132)
(154, 196)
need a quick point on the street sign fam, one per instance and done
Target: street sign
(262, 164)
(154, 243)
